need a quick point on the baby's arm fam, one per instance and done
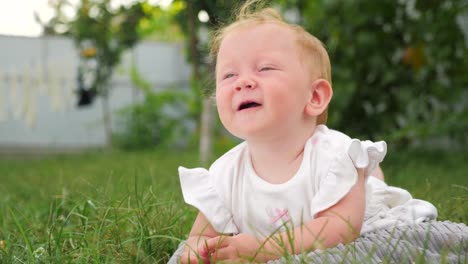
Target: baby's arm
(340, 223)
(201, 231)
(378, 173)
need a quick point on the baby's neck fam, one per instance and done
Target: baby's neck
(277, 161)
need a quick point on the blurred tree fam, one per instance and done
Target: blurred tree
(162, 24)
(399, 67)
(202, 68)
(101, 35)
(57, 24)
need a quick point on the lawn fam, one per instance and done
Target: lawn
(116, 207)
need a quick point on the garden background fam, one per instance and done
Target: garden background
(399, 75)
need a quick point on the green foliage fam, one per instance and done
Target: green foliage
(161, 120)
(101, 35)
(162, 25)
(399, 67)
(219, 12)
(109, 33)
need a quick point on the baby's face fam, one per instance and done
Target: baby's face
(262, 87)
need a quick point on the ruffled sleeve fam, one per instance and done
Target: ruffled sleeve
(198, 191)
(341, 174)
(366, 154)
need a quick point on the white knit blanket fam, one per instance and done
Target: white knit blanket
(427, 242)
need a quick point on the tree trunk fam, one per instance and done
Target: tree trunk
(106, 113)
(205, 144)
(205, 131)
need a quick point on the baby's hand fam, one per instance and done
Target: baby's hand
(188, 256)
(191, 254)
(239, 248)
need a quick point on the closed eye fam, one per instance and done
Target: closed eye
(266, 68)
(228, 75)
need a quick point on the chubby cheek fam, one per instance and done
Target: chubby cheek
(223, 104)
(225, 111)
(286, 102)
(281, 97)
(226, 119)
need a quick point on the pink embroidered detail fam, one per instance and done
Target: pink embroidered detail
(280, 214)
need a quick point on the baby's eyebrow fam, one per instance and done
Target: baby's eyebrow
(222, 71)
(224, 64)
(223, 68)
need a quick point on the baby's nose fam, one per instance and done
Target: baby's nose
(245, 83)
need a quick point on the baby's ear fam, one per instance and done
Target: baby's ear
(320, 95)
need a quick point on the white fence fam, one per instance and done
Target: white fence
(38, 77)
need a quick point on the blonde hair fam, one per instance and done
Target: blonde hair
(254, 12)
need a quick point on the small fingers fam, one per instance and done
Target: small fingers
(227, 254)
(222, 254)
(191, 257)
(188, 258)
(213, 244)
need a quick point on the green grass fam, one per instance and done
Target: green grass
(127, 207)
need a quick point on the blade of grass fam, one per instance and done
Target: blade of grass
(23, 234)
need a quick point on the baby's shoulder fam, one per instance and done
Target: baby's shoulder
(336, 146)
(229, 160)
(331, 140)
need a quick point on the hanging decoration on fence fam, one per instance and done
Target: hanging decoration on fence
(86, 90)
(20, 90)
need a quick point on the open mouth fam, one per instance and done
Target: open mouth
(247, 105)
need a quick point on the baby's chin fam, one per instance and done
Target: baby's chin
(246, 128)
(237, 134)
(248, 135)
